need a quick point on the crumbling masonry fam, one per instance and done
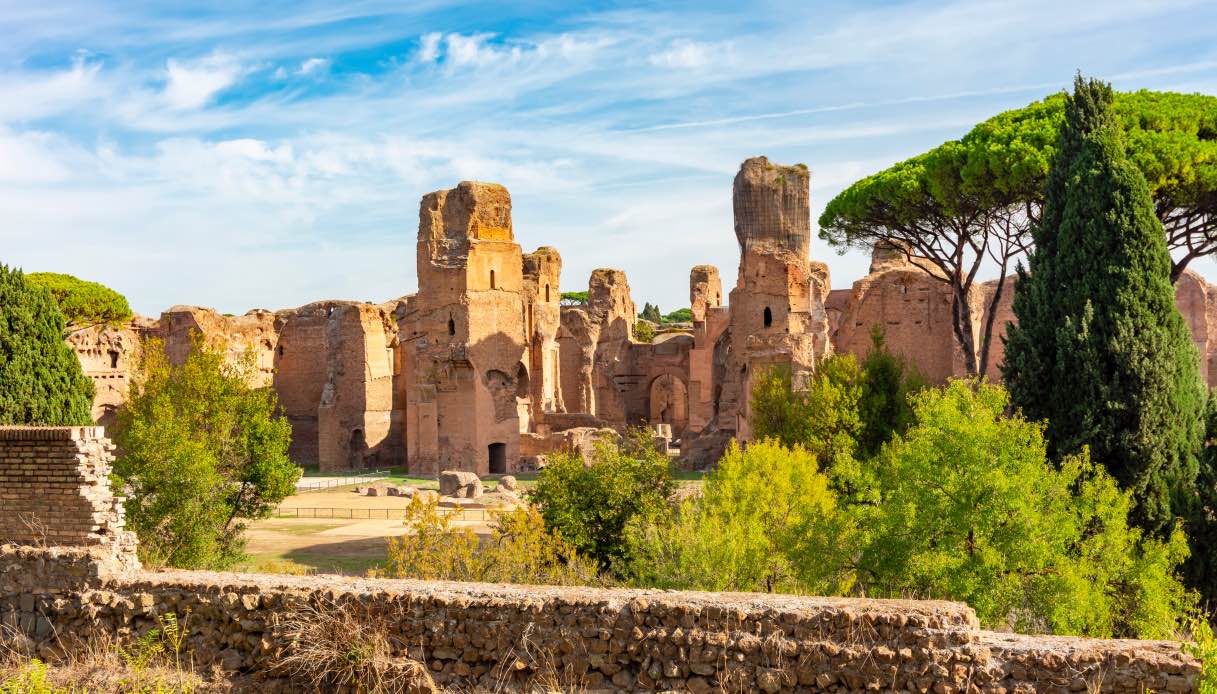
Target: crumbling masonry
(73, 581)
(484, 370)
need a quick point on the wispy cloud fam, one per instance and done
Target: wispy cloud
(191, 84)
(233, 157)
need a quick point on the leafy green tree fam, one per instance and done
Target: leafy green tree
(644, 332)
(823, 419)
(573, 298)
(40, 377)
(84, 304)
(680, 315)
(590, 506)
(767, 521)
(883, 406)
(1202, 520)
(972, 201)
(201, 453)
(1100, 351)
(972, 509)
(651, 313)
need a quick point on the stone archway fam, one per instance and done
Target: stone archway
(669, 402)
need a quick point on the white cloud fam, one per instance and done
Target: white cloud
(190, 85)
(313, 66)
(30, 158)
(428, 48)
(461, 50)
(686, 54)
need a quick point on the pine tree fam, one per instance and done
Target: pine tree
(1100, 351)
(40, 377)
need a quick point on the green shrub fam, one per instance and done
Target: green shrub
(520, 550)
(590, 506)
(644, 332)
(767, 521)
(1204, 647)
(970, 508)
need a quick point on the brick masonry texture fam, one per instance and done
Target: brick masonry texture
(68, 588)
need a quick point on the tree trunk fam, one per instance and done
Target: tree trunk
(961, 322)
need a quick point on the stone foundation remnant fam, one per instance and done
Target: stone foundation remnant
(484, 369)
(75, 580)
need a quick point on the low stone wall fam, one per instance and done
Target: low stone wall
(486, 636)
(75, 581)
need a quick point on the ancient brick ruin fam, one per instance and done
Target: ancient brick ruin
(482, 369)
(75, 581)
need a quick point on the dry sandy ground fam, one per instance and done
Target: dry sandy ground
(331, 545)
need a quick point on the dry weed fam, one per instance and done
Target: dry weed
(342, 645)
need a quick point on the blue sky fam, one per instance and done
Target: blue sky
(270, 154)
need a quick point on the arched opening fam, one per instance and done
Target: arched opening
(356, 450)
(113, 359)
(768, 317)
(451, 327)
(669, 402)
(497, 453)
(521, 381)
(280, 350)
(547, 293)
(492, 279)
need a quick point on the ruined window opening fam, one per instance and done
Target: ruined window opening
(280, 350)
(547, 293)
(768, 317)
(498, 458)
(113, 359)
(492, 279)
(451, 327)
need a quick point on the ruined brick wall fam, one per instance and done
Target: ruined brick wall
(356, 426)
(542, 274)
(256, 333)
(55, 490)
(109, 357)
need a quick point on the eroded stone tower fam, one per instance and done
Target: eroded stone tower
(464, 335)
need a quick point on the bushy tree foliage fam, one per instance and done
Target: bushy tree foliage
(767, 521)
(573, 298)
(644, 332)
(972, 201)
(884, 406)
(1202, 519)
(590, 505)
(1100, 351)
(822, 419)
(651, 312)
(201, 452)
(41, 381)
(680, 315)
(84, 304)
(970, 508)
(520, 550)
(849, 410)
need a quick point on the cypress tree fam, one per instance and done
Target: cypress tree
(1100, 351)
(40, 377)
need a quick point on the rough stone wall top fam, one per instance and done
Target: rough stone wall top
(705, 290)
(472, 211)
(772, 207)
